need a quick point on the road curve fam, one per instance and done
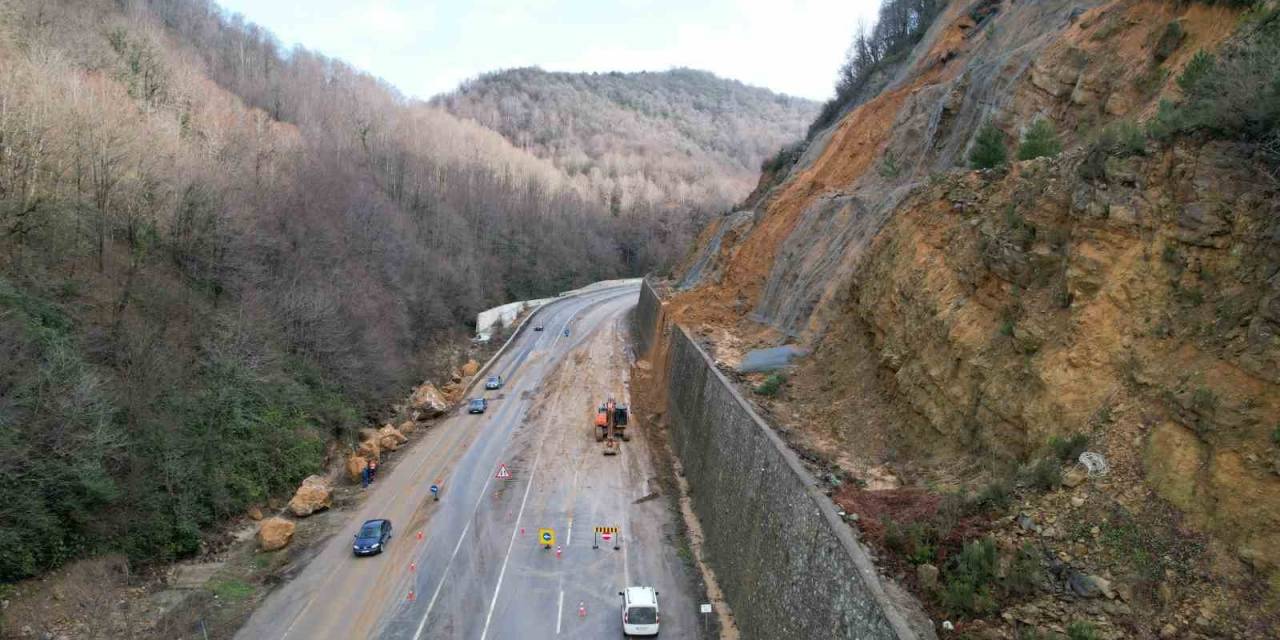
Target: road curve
(478, 572)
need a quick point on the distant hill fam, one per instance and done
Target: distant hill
(673, 139)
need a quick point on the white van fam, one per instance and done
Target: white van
(639, 611)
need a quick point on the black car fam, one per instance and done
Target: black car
(477, 405)
(537, 327)
(372, 538)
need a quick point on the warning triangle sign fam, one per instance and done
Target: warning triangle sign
(503, 474)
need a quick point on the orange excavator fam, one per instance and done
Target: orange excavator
(611, 425)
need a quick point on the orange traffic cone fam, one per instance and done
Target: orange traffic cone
(411, 597)
(582, 609)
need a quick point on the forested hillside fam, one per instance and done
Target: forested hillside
(215, 256)
(679, 140)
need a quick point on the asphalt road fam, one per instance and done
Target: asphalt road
(479, 571)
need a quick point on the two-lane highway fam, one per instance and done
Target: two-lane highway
(478, 572)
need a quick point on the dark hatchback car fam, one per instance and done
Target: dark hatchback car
(477, 405)
(373, 536)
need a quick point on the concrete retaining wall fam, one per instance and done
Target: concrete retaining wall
(645, 318)
(788, 566)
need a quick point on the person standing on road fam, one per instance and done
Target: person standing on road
(373, 470)
(364, 477)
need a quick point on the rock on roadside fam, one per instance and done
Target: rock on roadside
(275, 533)
(355, 466)
(428, 401)
(314, 495)
(390, 439)
(470, 368)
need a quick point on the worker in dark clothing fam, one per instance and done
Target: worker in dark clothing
(373, 470)
(364, 477)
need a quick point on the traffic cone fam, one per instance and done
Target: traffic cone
(557, 551)
(419, 535)
(411, 597)
(582, 609)
(413, 566)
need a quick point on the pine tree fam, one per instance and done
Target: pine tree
(1040, 140)
(988, 148)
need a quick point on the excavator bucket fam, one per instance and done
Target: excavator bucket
(611, 447)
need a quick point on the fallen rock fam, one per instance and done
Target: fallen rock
(1074, 477)
(255, 513)
(356, 466)
(428, 401)
(369, 450)
(455, 376)
(407, 427)
(1090, 586)
(927, 576)
(367, 433)
(390, 439)
(470, 368)
(1168, 631)
(275, 533)
(452, 391)
(314, 495)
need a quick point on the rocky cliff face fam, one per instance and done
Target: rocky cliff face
(1011, 309)
(959, 321)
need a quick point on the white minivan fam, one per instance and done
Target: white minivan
(639, 611)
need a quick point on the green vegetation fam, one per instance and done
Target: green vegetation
(969, 589)
(900, 26)
(1080, 630)
(996, 496)
(1119, 140)
(1006, 327)
(784, 159)
(89, 469)
(1068, 449)
(771, 385)
(1040, 140)
(1233, 96)
(917, 542)
(216, 256)
(1045, 474)
(988, 150)
(1275, 435)
(889, 167)
(231, 589)
(1170, 39)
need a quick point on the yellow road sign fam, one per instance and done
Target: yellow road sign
(546, 537)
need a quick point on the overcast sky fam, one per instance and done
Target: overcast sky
(425, 47)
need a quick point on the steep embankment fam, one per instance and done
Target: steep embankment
(972, 332)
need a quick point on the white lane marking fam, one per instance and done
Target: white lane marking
(515, 529)
(559, 611)
(568, 539)
(445, 575)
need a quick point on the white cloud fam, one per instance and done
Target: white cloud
(428, 46)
